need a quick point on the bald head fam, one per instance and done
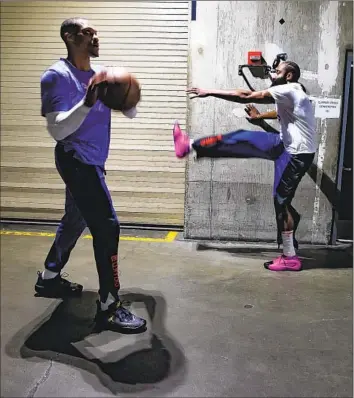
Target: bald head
(71, 26)
(80, 37)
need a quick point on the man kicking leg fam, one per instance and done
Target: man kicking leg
(258, 119)
(293, 150)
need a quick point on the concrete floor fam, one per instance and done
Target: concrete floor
(220, 325)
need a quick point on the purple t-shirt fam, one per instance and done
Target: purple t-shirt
(62, 87)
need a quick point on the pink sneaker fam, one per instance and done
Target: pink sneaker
(283, 263)
(181, 140)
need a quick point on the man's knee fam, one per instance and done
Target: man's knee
(281, 208)
(75, 224)
(112, 226)
(107, 228)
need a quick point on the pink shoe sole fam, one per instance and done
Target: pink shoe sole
(181, 141)
(283, 263)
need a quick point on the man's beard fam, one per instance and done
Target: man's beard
(279, 81)
(93, 52)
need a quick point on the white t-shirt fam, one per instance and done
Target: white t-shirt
(297, 118)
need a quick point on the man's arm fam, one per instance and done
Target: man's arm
(254, 113)
(62, 120)
(257, 118)
(241, 95)
(267, 115)
(62, 124)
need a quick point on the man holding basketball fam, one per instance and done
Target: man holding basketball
(292, 150)
(80, 123)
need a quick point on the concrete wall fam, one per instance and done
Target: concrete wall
(232, 198)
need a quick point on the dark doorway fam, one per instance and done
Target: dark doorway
(345, 174)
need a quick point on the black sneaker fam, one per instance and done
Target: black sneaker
(57, 287)
(119, 319)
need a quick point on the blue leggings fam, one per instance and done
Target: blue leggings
(246, 144)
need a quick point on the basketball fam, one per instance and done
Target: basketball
(120, 90)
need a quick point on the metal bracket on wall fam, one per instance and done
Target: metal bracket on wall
(261, 71)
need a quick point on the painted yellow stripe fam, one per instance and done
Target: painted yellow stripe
(170, 237)
(27, 233)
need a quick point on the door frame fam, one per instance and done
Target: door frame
(345, 106)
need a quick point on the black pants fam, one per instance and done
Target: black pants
(88, 203)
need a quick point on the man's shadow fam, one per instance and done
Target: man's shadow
(130, 364)
(326, 185)
(312, 257)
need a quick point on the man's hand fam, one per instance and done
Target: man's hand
(253, 114)
(93, 87)
(252, 111)
(257, 118)
(91, 95)
(198, 92)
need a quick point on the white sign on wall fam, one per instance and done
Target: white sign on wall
(327, 108)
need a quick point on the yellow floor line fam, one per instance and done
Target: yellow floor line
(27, 233)
(170, 237)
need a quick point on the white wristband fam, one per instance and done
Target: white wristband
(130, 113)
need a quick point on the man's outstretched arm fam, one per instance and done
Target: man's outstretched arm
(241, 95)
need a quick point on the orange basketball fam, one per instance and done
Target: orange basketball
(120, 91)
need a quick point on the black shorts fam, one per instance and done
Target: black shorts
(295, 169)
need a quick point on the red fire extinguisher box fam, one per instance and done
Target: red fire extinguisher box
(254, 58)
